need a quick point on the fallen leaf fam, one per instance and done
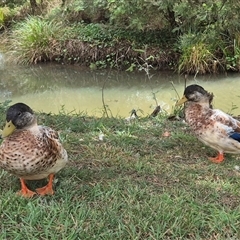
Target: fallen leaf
(166, 134)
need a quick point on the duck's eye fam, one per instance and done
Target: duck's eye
(19, 114)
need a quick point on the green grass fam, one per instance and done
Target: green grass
(135, 184)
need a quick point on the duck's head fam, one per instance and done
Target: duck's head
(195, 93)
(19, 116)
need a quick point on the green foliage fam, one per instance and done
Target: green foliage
(136, 14)
(87, 11)
(93, 33)
(232, 54)
(102, 33)
(216, 22)
(12, 3)
(134, 24)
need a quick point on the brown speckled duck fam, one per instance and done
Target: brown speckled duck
(213, 127)
(29, 151)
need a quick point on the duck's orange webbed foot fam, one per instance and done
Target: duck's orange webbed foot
(47, 190)
(25, 192)
(218, 159)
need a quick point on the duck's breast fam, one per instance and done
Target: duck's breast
(29, 153)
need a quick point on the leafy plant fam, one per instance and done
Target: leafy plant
(233, 56)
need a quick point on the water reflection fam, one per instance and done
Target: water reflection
(48, 87)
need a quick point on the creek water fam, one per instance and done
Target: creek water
(51, 87)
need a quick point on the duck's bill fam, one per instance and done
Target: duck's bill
(181, 101)
(8, 129)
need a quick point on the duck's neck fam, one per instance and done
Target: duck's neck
(197, 112)
(31, 125)
(203, 104)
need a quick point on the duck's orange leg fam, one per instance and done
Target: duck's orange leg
(25, 192)
(218, 159)
(47, 190)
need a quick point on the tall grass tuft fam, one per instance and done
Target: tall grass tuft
(37, 40)
(197, 56)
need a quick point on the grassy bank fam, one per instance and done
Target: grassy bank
(189, 37)
(133, 184)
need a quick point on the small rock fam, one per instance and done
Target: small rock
(237, 168)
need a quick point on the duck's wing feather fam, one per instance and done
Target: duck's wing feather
(53, 143)
(227, 123)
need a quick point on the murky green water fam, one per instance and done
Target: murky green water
(49, 87)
